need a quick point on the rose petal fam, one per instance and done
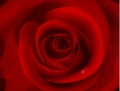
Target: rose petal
(77, 15)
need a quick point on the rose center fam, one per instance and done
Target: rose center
(62, 43)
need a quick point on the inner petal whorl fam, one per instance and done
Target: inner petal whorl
(55, 40)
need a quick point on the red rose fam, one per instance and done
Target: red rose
(59, 45)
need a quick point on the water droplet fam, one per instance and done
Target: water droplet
(82, 71)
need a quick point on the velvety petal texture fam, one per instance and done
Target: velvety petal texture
(59, 45)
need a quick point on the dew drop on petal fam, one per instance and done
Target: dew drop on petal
(83, 71)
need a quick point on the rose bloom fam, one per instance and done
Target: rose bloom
(59, 45)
